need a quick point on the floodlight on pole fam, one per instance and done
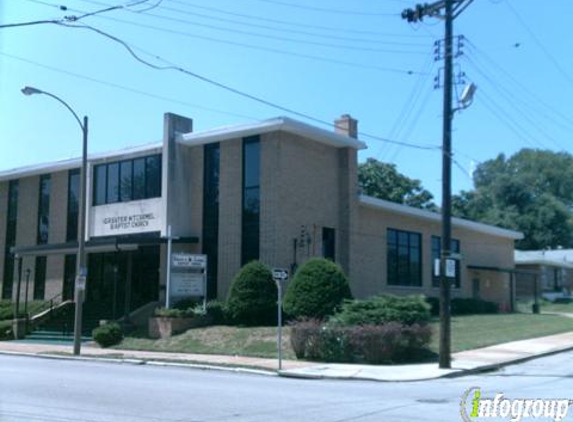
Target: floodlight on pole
(81, 268)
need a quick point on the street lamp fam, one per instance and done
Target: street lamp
(81, 270)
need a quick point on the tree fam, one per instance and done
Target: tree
(383, 181)
(531, 192)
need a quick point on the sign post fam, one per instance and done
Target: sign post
(280, 276)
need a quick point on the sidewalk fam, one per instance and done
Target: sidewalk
(463, 362)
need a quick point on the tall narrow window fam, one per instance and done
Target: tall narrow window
(126, 181)
(139, 178)
(404, 258)
(73, 205)
(112, 183)
(251, 199)
(40, 278)
(44, 210)
(211, 163)
(329, 243)
(100, 181)
(153, 176)
(11, 219)
(436, 252)
(69, 277)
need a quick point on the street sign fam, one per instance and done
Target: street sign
(80, 282)
(451, 268)
(280, 274)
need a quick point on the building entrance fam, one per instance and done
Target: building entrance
(120, 282)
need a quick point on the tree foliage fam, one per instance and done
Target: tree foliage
(383, 181)
(531, 191)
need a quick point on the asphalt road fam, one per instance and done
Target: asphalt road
(36, 389)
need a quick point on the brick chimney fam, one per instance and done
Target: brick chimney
(347, 126)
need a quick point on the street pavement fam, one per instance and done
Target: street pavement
(61, 390)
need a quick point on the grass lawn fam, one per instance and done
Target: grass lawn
(468, 332)
(245, 341)
(547, 306)
(474, 331)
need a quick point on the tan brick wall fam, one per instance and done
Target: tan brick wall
(54, 277)
(3, 222)
(230, 207)
(369, 256)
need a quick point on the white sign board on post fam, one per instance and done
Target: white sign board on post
(188, 276)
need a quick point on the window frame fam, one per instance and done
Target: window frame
(399, 272)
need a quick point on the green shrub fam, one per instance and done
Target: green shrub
(185, 304)
(108, 334)
(379, 310)
(174, 313)
(317, 290)
(392, 342)
(253, 296)
(217, 310)
(464, 306)
(6, 330)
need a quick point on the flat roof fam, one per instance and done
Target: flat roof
(328, 137)
(72, 163)
(381, 204)
(287, 124)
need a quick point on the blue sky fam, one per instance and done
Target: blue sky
(320, 58)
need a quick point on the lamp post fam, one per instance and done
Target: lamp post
(81, 270)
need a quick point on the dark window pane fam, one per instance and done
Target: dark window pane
(126, 181)
(69, 277)
(139, 178)
(211, 166)
(8, 279)
(251, 199)
(100, 178)
(44, 210)
(153, 176)
(40, 278)
(404, 258)
(112, 183)
(11, 223)
(329, 243)
(73, 204)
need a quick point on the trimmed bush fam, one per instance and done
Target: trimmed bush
(375, 344)
(6, 330)
(465, 306)
(108, 334)
(174, 313)
(253, 296)
(379, 310)
(317, 290)
(217, 310)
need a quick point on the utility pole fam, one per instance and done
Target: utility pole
(451, 9)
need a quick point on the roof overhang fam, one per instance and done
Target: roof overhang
(285, 124)
(393, 207)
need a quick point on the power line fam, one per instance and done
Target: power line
(174, 67)
(271, 37)
(124, 88)
(550, 56)
(260, 48)
(271, 27)
(321, 9)
(336, 29)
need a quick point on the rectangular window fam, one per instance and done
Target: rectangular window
(153, 176)
(329, 243)
(437, 251)
(69, 277)
(40, 278)
(126, 184)
(73, 205)
(211, 165)
(112, 183)
(11, 221)
(128, 180)
(44, 210)
(251, 199)
(404, 258)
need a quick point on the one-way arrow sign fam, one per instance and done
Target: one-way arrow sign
(280, 274)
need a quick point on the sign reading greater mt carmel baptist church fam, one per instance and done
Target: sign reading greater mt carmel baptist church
(126, 218)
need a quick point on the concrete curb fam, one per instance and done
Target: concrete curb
(150, 362)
